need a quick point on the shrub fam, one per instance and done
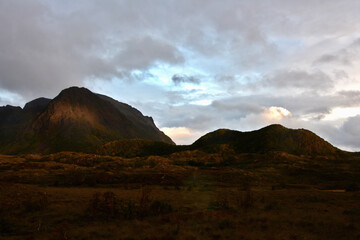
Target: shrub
(144, 201)
(103, 207)
(353, 187)
(219, 205)
(5, 227)
(221, 202)
(110, 206)
(226, 223)
(157, 208)
(248, 200)
(271, 206)
(61, 232)
(36, 203)
(244, 198)
(128, 209)
(107, 206)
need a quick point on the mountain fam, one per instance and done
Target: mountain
(271, 138)
(229, 143)
(14, 120)
(36, 106)
(75, 120)
(82, 121)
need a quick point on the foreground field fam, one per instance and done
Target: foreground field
(276, 196)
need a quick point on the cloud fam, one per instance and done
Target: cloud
(351, 94)
(182, 78)
(181, 135)
(145, 51)
(299, 104)
(66, 43)
(244, 61)
(46, 47)
(240, 105)
(329, 58)
(9, 98)
(40, 55)
(274, 113)
(177, 132)
(316, 80)
(345, 56)
(348, 134)
(352, 127)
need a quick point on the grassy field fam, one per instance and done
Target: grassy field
(182, 196)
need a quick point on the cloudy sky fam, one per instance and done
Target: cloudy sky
(193, 65)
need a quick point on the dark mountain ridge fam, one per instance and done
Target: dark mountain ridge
(82, 121)
(37, 105)
(271, 138)
(75, 120)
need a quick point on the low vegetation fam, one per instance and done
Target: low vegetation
(130, 148)
(183, 195)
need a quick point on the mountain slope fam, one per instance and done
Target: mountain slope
(37, 105)
(145, 124)
(76, 120)
(271, 138)
(137, 148)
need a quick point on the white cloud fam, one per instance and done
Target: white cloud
(276, 113)
(342, 113)
(9, 98)
(203, 102)
(181, 135)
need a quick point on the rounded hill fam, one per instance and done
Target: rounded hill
(271, 138)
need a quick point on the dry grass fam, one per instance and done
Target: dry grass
(58, 198)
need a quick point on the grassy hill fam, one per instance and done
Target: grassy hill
(270, 138)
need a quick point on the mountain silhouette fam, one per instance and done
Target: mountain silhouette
(271, 138)
(75, 120)
(82, 121)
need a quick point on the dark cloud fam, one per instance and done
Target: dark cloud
(352, 127)
(182, 78)
(345, 56)
(316, 80)
(46, 47)
(349, 134)
(39, 55)
(328, 58)
(143, 52)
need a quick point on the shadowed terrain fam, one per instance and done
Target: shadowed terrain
(271, 138)
(185, 195)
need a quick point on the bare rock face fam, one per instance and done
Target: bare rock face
(76, 120)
